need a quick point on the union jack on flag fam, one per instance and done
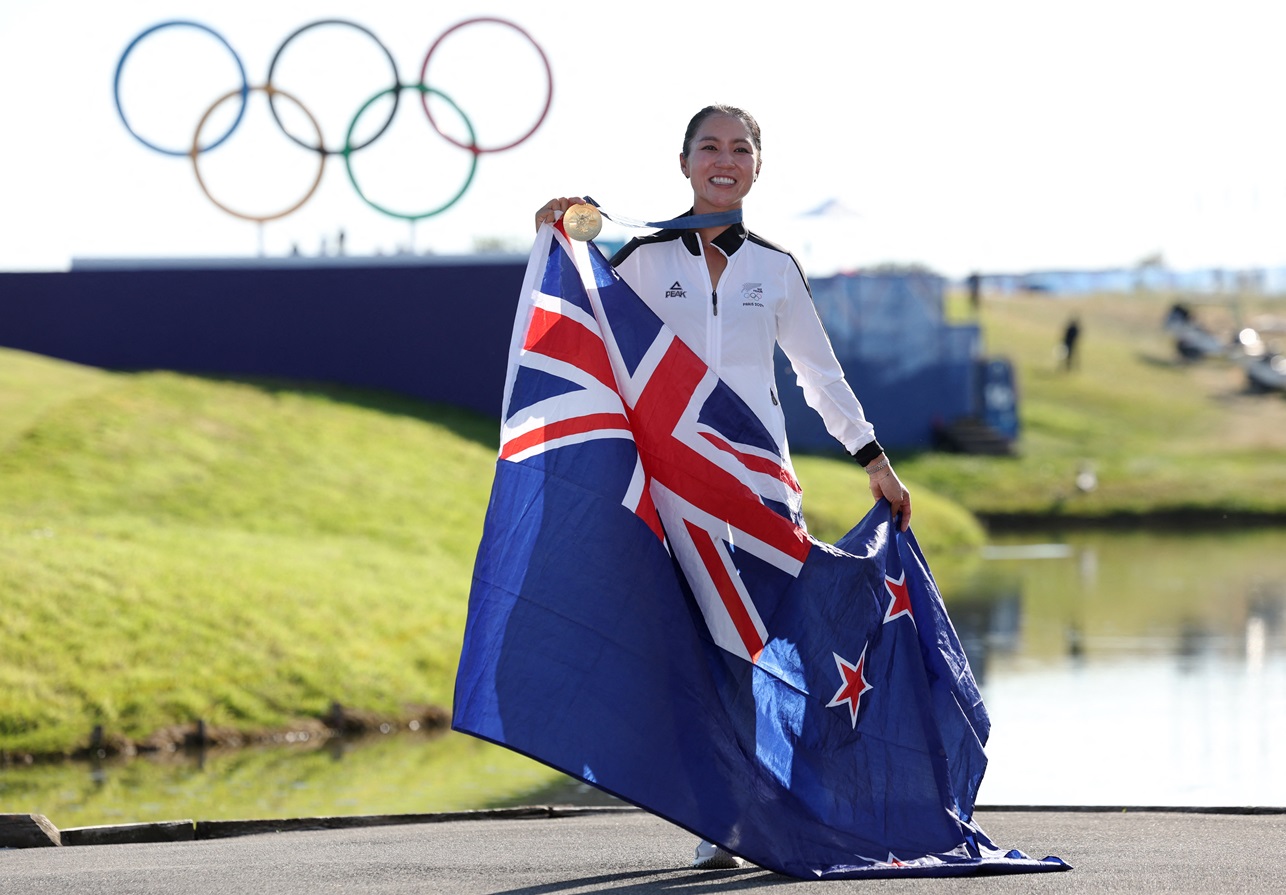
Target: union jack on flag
(592, 369)
(648, 613)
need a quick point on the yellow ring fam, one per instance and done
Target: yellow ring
(195, 152)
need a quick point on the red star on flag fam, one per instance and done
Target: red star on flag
(900, 605)
(853, 686)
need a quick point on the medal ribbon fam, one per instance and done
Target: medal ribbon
(687, 222)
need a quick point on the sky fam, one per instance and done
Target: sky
(991, 135)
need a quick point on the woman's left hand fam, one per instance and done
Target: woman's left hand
(885, 483)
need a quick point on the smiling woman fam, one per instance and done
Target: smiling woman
(733, 298)
(759, 297)
(721, 157)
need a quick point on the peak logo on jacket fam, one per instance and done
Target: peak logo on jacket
(676, 291)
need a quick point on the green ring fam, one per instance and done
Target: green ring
(349, 149)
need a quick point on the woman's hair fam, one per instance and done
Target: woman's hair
(746, 118)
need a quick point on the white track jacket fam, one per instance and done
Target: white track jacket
(762, 299)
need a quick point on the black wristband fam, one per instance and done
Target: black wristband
(868, 452)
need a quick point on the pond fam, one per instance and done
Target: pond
(1132, 669)
(1119, 668)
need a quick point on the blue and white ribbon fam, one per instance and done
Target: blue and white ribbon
(686, 222)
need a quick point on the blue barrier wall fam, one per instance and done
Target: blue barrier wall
(913, 372)
(906, 409)
(434, 331)
(439, 329)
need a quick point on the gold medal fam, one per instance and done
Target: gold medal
(582, 222)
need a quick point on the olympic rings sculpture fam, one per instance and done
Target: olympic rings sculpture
(316, 143)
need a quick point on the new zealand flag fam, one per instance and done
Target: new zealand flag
(649, 615)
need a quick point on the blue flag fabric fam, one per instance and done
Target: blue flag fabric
(649, 615)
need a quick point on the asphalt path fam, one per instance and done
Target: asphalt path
(625, 850)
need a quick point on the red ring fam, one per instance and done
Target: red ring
(549, 79)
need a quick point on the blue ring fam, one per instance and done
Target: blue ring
(116, 89)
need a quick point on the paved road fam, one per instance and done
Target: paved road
(632, 852)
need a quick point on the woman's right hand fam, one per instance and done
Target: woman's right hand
(553, 209)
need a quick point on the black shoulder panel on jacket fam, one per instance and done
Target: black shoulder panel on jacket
(760, 241)
(659, 236)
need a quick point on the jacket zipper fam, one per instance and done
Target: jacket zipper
(714, 301)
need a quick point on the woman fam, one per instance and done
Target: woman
(731, 296)
(757, 296)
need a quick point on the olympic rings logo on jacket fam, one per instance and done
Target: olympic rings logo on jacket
(317, 145)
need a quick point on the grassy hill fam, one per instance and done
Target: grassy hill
(1164, 438)
(175, 548)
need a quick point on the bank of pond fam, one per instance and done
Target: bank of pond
(1119, 667)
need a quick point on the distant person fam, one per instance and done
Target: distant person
(974, 283)
(1179, 315)
(1071, 334)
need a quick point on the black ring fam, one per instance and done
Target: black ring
(320, 147)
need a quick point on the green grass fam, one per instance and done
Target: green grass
(175, 548)
(1163, 437)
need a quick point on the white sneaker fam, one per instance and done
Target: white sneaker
(712, 857)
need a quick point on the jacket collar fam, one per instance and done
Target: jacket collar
(727, 242)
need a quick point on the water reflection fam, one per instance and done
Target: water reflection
(1118, 668)
(1131, 669)
(403, 773)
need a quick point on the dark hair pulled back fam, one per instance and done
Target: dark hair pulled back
(719, 109)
